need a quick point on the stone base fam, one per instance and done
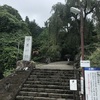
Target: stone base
(25, 65)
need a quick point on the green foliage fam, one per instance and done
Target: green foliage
(54, 52)
(64, 27)
(35, 31)
(60, 36)
(8, 72)
(12, 33)
(9, 23)
(47, 48)
(44, 43)
(60, 33)
(33, 27)
(95, 58)
(11, 11)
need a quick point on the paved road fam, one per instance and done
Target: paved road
(56, 65)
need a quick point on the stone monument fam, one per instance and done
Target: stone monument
(26, 63)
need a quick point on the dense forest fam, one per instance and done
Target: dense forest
(59, 37)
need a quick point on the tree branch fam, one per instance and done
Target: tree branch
(91, 10)
(85, 7)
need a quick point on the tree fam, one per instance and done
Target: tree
(64, 26)
(35, 32)
(27, 20)
(11, 11)
(12, 32)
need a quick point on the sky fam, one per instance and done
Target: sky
(38, 10)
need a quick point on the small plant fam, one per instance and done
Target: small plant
(8, 72)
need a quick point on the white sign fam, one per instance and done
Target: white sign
(92, 83)
(85, 63)
(73, 84)
(27, 48)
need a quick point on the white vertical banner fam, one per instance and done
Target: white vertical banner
(82, 85)
(92, 83)
(27, 48)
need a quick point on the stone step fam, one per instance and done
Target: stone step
(44, 94)
(47, 83)
(39, 69)
(47, 90)
(33, 98)
(46, 86)
(53, 72)
(49, 79)
(38, 98)
(52, 76)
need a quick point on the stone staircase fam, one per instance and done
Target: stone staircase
(47, 84)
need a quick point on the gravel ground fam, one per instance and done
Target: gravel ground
(56, 65)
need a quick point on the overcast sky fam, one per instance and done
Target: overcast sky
(34, 9)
